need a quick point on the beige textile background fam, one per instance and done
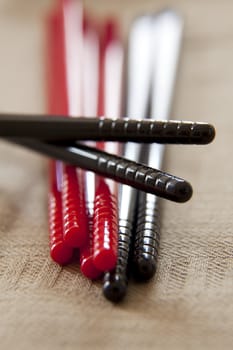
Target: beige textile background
(189, 304)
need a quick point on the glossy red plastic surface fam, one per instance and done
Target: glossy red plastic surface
(59, 250)
(105, 228)
(87, 265)
(57, 101)
(75, 226)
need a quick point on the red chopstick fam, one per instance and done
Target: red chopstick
(67, 212)
(75, 225)
(105, 219)
(59, 251)
(56, 103)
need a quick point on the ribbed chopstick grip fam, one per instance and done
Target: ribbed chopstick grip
(174, 132)
(75, 228)
(86, 254)
(147, 238)
(134, 174)
(97, 129)
(117, 168)
(59, 251)
(105, 228)
(116, 282)
(181, 132)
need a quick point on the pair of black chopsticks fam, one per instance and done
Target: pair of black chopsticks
(58, 138)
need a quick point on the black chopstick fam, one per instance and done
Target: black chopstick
(117, 168)
(62, 129)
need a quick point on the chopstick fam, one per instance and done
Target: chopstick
(75, 221)
(117, 168)
(138, 91)
(105, 219)
(54, 128)
(166, 37)
(56, 103)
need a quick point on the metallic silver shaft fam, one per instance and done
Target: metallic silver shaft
(138, 90)
(166, 36)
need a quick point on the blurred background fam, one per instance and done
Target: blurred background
(190, 302)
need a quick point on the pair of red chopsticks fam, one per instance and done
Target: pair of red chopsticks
(81, 66)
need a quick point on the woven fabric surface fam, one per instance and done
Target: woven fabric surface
(189, 304)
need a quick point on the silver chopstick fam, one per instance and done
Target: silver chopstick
(167, 33)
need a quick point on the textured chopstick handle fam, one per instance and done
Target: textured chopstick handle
(145, 178)
(75, 226)
(105, 228)
(87, 265)
(176, 132)
(97, 129)
(116, 282)
(147, 237)
(59, 251)
(117, 168)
